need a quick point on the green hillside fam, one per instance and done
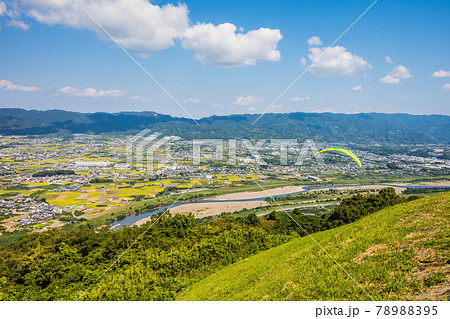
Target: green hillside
(398, 253)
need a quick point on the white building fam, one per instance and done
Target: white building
(92, 164)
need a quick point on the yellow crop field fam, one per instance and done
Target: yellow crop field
(166, 181)
(36, 184)
(146, 191)
(234, 178)
(190, 184)
(68, 200)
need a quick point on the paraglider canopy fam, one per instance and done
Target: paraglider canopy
(349, 153)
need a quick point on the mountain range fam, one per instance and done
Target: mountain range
(331, 127)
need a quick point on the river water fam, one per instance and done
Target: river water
(132, 219)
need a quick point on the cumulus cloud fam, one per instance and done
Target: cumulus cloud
(446, 87)
(2, 8)
(251, 109)
(221, 46)
(397, 73)
(314, 41)
(388, 60)
(135, 24)
(139, 98)
(337, 60)
(358, 88)
(191, 100)
(388, 79)
(247, 100)
(89, 92)
(8, 85)
(400, 72)
(216, 104)
(303, 61)
(142, 26)
(18, 24)
(300, 99)
(441, 74)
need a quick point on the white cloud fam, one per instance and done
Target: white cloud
(446, 87)
(397, 73)
(388, 60)
(358, 88)
(139, 98)
(191, 100)
(216, 104)
(247, 100)
(277, 107)
(8, 85)
(142, 55)
(388, 79)
(403, 99)
(221, 46)
(314, 41)
(337, 60)
(135, 24)
(300, 99)
(251, 109)
(325, 110)
(400, 72)
(89, 92)
(2, 8)
(303, 61)
(18, 24)
(441, 74)
(140, 25)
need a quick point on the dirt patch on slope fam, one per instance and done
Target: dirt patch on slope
(369, 252)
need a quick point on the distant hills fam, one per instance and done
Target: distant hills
(331, 127)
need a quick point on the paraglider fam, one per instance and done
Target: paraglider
(349, 153)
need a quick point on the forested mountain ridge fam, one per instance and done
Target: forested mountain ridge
(331, 127)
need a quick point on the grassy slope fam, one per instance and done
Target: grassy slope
(398, 253)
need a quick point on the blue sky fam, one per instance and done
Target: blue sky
(214, 58)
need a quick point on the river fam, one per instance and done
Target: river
(133, 219)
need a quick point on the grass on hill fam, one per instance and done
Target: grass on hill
(399, 253)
